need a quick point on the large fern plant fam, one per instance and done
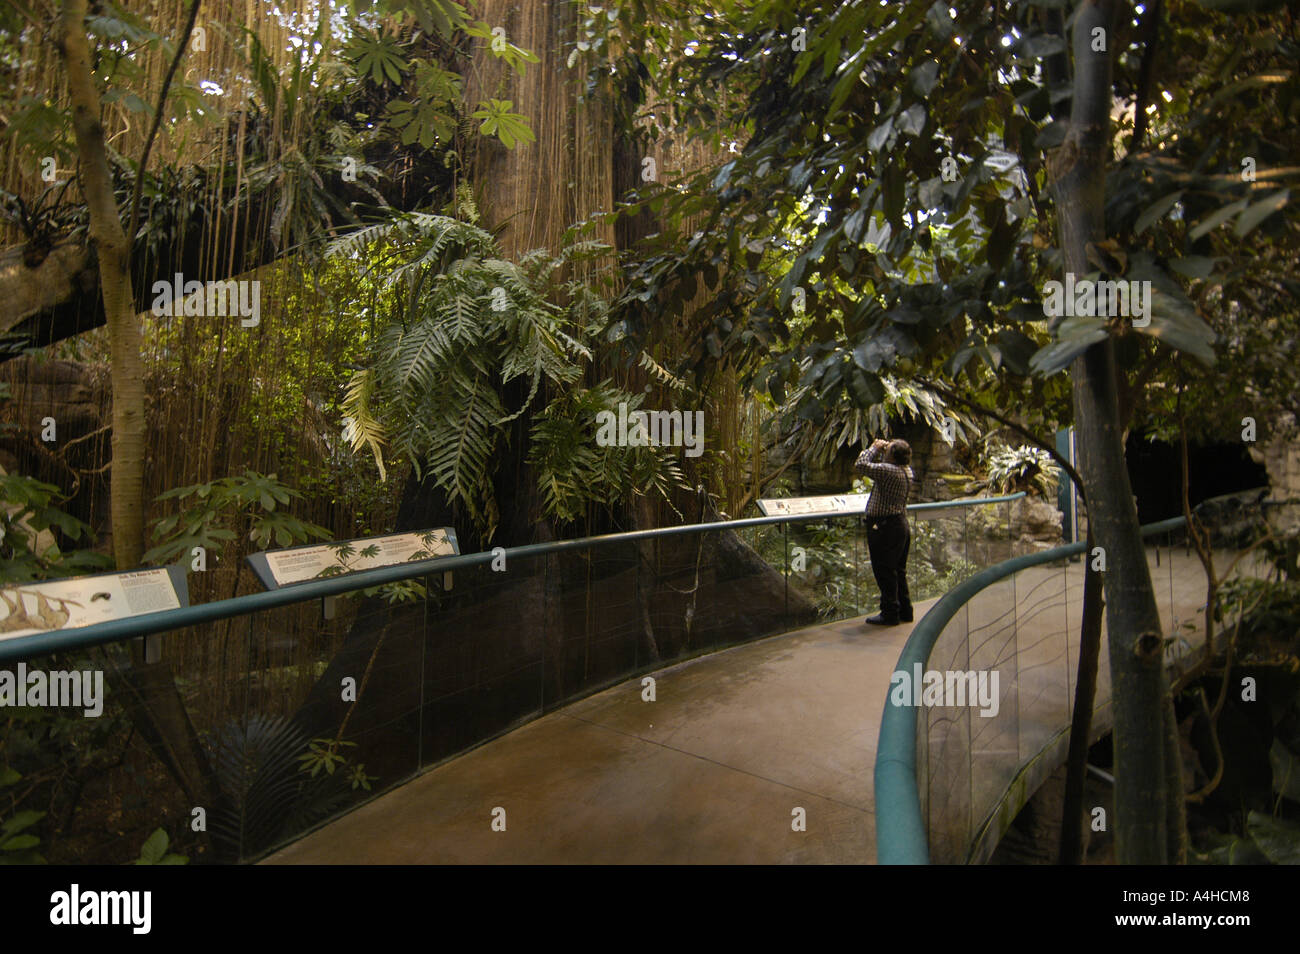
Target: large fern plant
(847, 425)
(469, 342)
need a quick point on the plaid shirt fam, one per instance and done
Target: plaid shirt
(891, 484)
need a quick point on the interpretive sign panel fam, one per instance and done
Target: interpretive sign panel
(49, 605)
(277, 568)
(798, 506)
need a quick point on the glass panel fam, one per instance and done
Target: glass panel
(948, 747)
(1044, 634)
(483, 655)
(994, 727)
(937, 559)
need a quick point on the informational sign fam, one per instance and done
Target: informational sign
(81, 601)
(277, 568)
(798, 506)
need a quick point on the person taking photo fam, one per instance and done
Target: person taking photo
(889, 538)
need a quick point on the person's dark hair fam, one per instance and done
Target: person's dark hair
(900, 452)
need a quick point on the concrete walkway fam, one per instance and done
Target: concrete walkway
(709, 773)
(713, 770)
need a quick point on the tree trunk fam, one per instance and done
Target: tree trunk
(127, 501)
(153, 701)
(1077, 171)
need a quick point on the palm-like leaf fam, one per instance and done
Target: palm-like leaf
(367, 431)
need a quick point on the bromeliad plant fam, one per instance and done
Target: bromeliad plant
(1027, 468)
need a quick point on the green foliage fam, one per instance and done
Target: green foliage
(154, 851)
(43, 220)
(124, 42)
(894, 174)
(499, 121)
(934, 563)
(515, 57)
(1261, 608)
(18, 846)
(845, 424)
(1025, 467)
(294, 173)
(573, 471)
(1257, 607)
(431, 117)
(1268, 840)
(327, 755)
(264, 769)
(324, 754)
(375, 55)
(441, 17)
(27, 508)
(51, 751)
(471, 343)
(836, 571)
(221, 509)
(430, 104)
(358, 779)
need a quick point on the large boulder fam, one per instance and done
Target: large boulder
(1037, 523)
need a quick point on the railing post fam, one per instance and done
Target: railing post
(424, 676)
(785, 567)
(854, 529)
(248, 675)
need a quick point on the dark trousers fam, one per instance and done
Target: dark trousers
(888, 541)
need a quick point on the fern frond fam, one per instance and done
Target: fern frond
(367, 431)
(419, 358)
(661, 374)
(463, 443)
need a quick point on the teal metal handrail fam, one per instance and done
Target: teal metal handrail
(42, 644)
(900, 830)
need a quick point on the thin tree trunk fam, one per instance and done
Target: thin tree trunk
(127, 487)
(1077, 171)
(158, 710)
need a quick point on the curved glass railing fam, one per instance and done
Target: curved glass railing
(954, 768)
(274, 712)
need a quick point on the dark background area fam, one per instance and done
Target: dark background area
(1155, 471)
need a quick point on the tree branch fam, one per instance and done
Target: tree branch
(1150, 40)
(157, 121)
(1007, 422)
